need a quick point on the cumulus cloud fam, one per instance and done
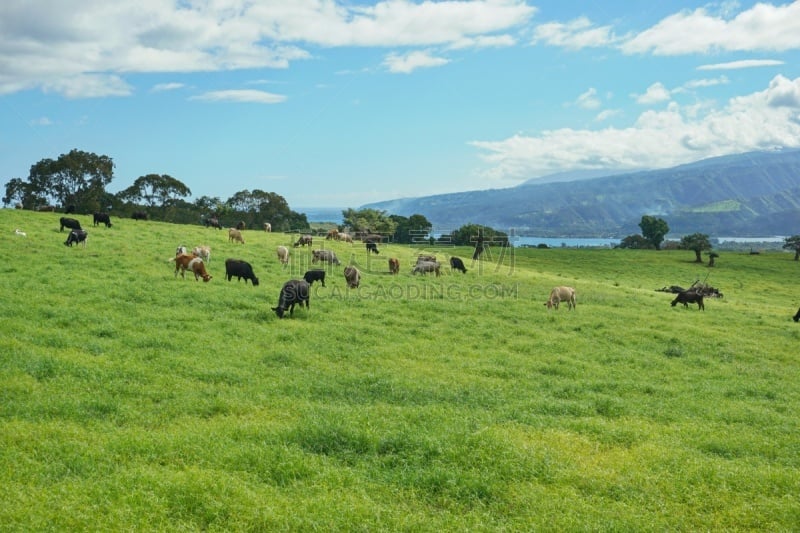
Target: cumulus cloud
(407, 63)
(243, 96)
(84, 48)
(762, 27)
(762, 120)
(655, 93)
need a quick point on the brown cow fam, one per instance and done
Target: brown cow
(394, 265)
(234, 235)
(561, 294)
(184, 262)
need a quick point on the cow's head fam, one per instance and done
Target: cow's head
(278, 311)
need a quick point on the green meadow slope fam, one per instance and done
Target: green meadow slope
(132, 400)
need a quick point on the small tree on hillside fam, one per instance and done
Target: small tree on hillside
(654, 230)
(793, 243)
(635, 242)
(698, 243)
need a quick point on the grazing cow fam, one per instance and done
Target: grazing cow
(267, 227)
(689, 297)
(352, 276)
(213, 222)
(101, 218)
(372, 237)
(203, 252)
(457, 264)
(332, 234)
(240, 269)
(46, 208)
(76, 236)
(314, 275)
(181, 250)
(70, 223)
(234, 235)
(283, 255)
(372, 247)
(796, 317)
(240, 225)
(562, 294)
(294, 291)
(346, 237)
(303, 240)
(429, 258)
(139, 215)
(423, 267)
(394, 265)
(186, 262)
(326, 256)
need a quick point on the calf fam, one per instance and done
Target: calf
(184, 262)
(314, 275)
(303, 240)
(101, 218)
(394, 265)
(689, 297)
(352, 276)
(203, 252)
(70, 223)
(283, 255)
(76, 236)
(234, 235)
(423, 267)
(267, 227)
(561, 294)
(326, 256)
(372, 247)
(796, 317)
(457, 264)
(293, 292)
(240, 269)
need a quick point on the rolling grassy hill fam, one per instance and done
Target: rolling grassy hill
(133, 400)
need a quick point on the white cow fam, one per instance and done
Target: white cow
(561, 294)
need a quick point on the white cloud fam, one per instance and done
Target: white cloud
(655, 93)
(41, 121)
(588, 100)
(745, 63)
(82, 48)
(707, 82)
(160, 87)
(407, 63)
(607, 114)
(762, 120)
(762, 27)
(242, 96)
(576, 34)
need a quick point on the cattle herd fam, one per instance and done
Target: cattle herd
(297, 291)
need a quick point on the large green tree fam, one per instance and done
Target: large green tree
(155, 190)
(697, 242)
(793, 243)
(654, 230)
(410, 229)
(636, 242)
(369, 220)
(77, 178)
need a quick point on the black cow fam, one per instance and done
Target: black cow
(457, 264)
(372, 247)
(240, 269)
(76, 236)
(101, 218)
(689, 297)
(295, 291)
(314, 275)
(139, 215)
(213, 222)
(796, 317)
(70, 223)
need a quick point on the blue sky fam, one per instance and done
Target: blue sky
(341, 103)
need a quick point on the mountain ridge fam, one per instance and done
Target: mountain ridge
(749, 194)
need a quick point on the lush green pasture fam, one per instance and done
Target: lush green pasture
(131, 400)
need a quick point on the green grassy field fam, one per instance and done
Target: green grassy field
(132, 400)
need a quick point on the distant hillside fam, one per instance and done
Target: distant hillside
(752, 194)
